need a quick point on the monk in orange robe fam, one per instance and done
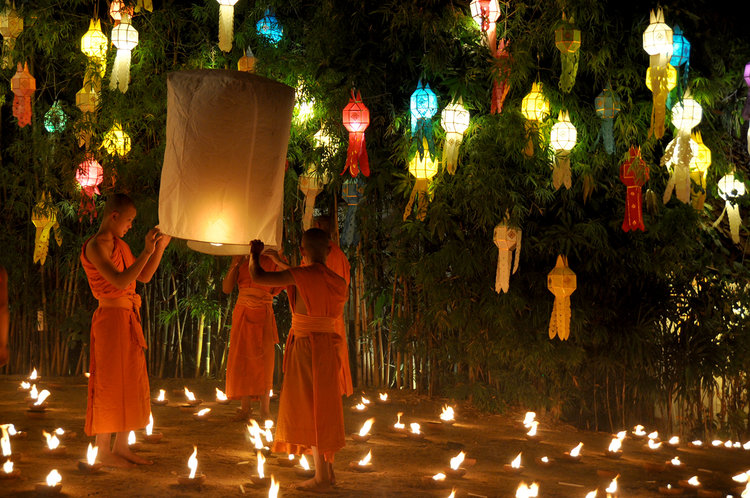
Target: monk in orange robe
(4, 317)
(118, 394)
(311, 416)
(252, 339)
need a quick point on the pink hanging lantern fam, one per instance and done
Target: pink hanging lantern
(501, 85)
(356, 120)
(89, 176)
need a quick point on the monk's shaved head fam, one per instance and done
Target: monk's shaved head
(118, 203)
(315, 245)
(323, 222)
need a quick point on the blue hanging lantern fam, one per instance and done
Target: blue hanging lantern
(680, 58)
(270, 29)
(352, 191)
(607, 106)
(423, 105)
(55, 119)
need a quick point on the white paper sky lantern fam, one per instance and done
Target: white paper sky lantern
(125, 38)
(455, 121)
(730, 189)
(223, 175)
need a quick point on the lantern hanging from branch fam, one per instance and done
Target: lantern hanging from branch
(269, 28)
(311, 183)
(55, 119)
(247, 62)
(658, 42)
(680, 151)
(117, 9)
(699, 165)
(116, 141)
(94, 46)
(226, 24)
(11, 25)
(680, 57)
(125, 38)
(486, 13)
(508, 242)
(501, 84)
(222, 183)
(44, 218)
(568, 42)
(89, 176)
(423, 106)
(356, 119)
(455, 121)
(562, 140)
(352, 191)
(561, 281)
(607, 106)
(535, 108)
(87, 100)
(23, 85)
(730, 189)
(422, 169)
(634, 173)
(746, 109)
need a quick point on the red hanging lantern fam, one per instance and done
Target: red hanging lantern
(356, 121)
(89, 176)
(23, 86)
(634, 174)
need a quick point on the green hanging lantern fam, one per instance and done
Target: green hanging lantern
(55, 120)
(607, 106)
(568, 42)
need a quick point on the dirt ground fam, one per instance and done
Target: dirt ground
(399, 463)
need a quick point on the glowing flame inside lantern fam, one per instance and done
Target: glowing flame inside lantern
(33, 394)
(653, 445)
(91, 453)
(303, 462)
(398, 424)
(614, 445)
(273, 491)
(438, 477)
(457, 460)
(693, 481)
(447, 413)
(261, 461)
(529, 419)
(612, 488)
(383, 396)
(193, 462)
(52, 441)
(25, 385)
(366, 460)
(674, 440)
(516, 463)
(131, 438)
(638, 430)
(220, 396)
(676, 461)
(33, 375)
(189, 395)
(532, 431)
(161, 395)
(150, 426)
(366, 427)
(8, 467)
(575, 452)
(653, 435)
(203, 412)
(42, 397)
(414, 428)
(359, 406)
(622, 435)
(53, 478)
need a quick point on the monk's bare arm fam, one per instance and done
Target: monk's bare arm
(153, 262)
(276, 258)
(231, 277)
(97, 254)
(269, 278)
(4, 317)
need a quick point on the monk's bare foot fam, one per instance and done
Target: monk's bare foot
(132, 457)
(331, 474)
(113, 460)
(312, 486)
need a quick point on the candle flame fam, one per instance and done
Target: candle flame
(693, 481)
(575, 452)
(697, 442)
(53, 478)
(716, 442)
(365, 401)
(33, 375)
(457, 460)
(523, 491)
(366, 427)
(86, 374)
(193, 462)
(359, 406)
(674, 440)
(532, 431)
(273, 491)
(8, 467)
(290, 457)
(269, 435)
(255, 434)
(742, 477)
(33, 394)
(42, 397)
(270, 393)
(189, 395)
(150, 426)
(220, 396)
(398, 424)
(59, 431)
(728, 444)
(737, 444)
(516, 463)
(453, 493)
(303, 462)
(25, 385)
(746, 492)
(11, 429)
(447, 413)
(612, 488)
(52, 441)
(91, 453)
(545, 459)
(622, 435)
(614, 445)
(591, 494)
(5, 442)
(161, 395)
(366, 460)
(746, 446)
(438, 477)
(638, 430)
(131, 438)
(414, 428)
(261, 461)
(654, 435)
(383, 396)
(529, 419)
(268, 424)
(676, 461)
(203, 412)
(653, 445)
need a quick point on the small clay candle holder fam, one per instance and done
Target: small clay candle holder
(205, 416)
(59, 451)
(191, 403)
(613, 454)
(541, 462)
(654, 467)
(304, 472)
(159, 402)
(285, 462)
(570, 458)
(355, 466)
(43, 489)
(224, 402)
(455, 473)
(448, 422)
(416, 436)
(154, 437)
(671, 490)
(84, 467)
(13, 474)
(361, 439)
(606, 474)
(509, 469)
(683, 483)
(38, 408)
(429, 483)
(260, 482)
(195, 482)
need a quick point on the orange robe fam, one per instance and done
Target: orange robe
(118, 394)
(337, 262)
(310, 409)
(253, 336)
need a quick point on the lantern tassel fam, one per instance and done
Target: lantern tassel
(529, 149)
(356, 156)
(659, 75)
(559, 324)
(41, 243)
(121, 71)
(633, 210)
(606, 132)
(22, 110)
(450, 151)
(502, 275)
(87, 207)
(349, 235)
(569, 70)
(733, 213)
(419, 193)
(678, 154)
(422, 132)
(561, 174)
(501, 85)
(226, 27)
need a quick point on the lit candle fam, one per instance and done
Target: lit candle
(192, 479)
(532, 430)
(24, 386)
(160, 399)
(273, 491)
(365, 401)
(383, 397)
(8, 471)
(673, 441)
(33, 393)
(202, 414)
(90, 465)
(638, 431)
(131, 438)
(359, 407)
(528, 419)
(622, 435)
(696, 443)
(575, 453)
(34, 375)
(652, 445)
(399, 425)
(53, 483)
(614, 449)
(53, 444)
(612, 488)
(742, 477)
(654, 436)
(190, 397)
(675, 461)
(221, 397)
(304, 469)
(514, 466)
(447, 416)
(366, 460)
(364, 432)
(415, 431)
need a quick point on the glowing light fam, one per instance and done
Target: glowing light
(746, 446)
(591, 494)
(273, 491)
(414, 428)
(697, 442)
(398, 424)
(33, 394)
(693, 481)
(189, 395)
(457, 460)
(268, 424)
(674, 441)
(34, 375)
(545, 459)
(25, 385)
(193, 462)
(365, 401)
(203, 412)
(220, 396)
(150, 425)
(42, 397)
(447, 413)
(52, 441)
(728, 444)
(716, 442)
(8, 467)
(116, 141)
(5, 442)
(255, 434)
(383, 396)
(438, 477)
(612, 488)
(516, 463)
(532, 431)
(366, 460)
(360, 406)
(529, 419)
(638, 431)
(654, 435)
(366, 427)
(131, 438)
(91, 453)
(59, 431)
(53, 478)
(261, 461)
(622, 435)
(615, 445)
(161, 395)
(575, 452)
(525, 491)
(303, 462)
(742, 477)
(653, 445)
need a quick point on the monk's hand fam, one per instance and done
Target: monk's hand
(256, 247)
(162, 241)
(152, 237)
(273, 254)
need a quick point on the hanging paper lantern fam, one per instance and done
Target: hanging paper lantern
(746, 109)
(486, 13)
(423, 169)
(247, 62)
(226, 24)
(501, 84)
(352, 191)
(680, 151)
(634, 173)
(699, 165)
(116, 141)
(87, 100)
(657, 42)
(94, 46)
(423, 106)
(561, 281)
(680, 55)
(508, 241)
(730, 189)
(607, 106)
(356, 120)
(270, 29)
(11, 25)
(23, 85)
(125, 38)
(117, 9)
(562, 140)
(44, 218)
(535, 108)
(89, 176)
(55, 119)
(568, 42)
(455, 121)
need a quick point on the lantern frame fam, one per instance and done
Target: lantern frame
(423, 102)
(269, 28)
(535, 106)
(680, 48)
(671, 78)
(116, 141)
(730, 188)
(455, 118)
(564, 135)
(484, 11)
(425, 167)
(94, 42)
(89, 175)
(356, 115)
(124, 35)
(686, 114)
(701, 160)
(55, 119)
(607, 104)
(658, 36)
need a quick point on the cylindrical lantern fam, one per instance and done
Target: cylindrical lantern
(508, 241)
(11, 25)
(89, 176)
(455, 121)
(23, 86)
(562, 140)
(55, 118)
(730, 188)
(268, 27)
(422, 169)
(226, 24)
(680, 151)
(222, 184)
(535, 108)
(699, 165)
(561, 282)
(116, 141)
(94, 46)
(247, 62)
(607, 106)
(634, 173)
(356, 119)
(568, 42)
(485, 14)
(125, 38)
(423, 106)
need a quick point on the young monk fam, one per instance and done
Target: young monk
(118, 395)
(252, 339)
(311, 416)
(4, 317)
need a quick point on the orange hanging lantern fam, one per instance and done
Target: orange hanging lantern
(561, 281)
(23, 85)
(356, 121)
(246, 63)
(89, 176)
(634, 174)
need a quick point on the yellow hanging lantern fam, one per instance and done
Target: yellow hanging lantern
(455, 122)
(562, 140)
(125, 38)
(508, 242)
(226, 24)
(730, 188)
(116, 141)
(94, 46)
(535, 108)
(657, 42)
(247, 62)
(422, 169)
(44, 218)
(699, 165)
(87, 100)
(11, 25)
(677, 156)
(561, 281)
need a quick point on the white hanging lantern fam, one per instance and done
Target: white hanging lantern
(125, 38)
(562, 140)
(680, 152)
(730, 189)
(508, 242)
(455, 122)
(226, 24)
(658, 44)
